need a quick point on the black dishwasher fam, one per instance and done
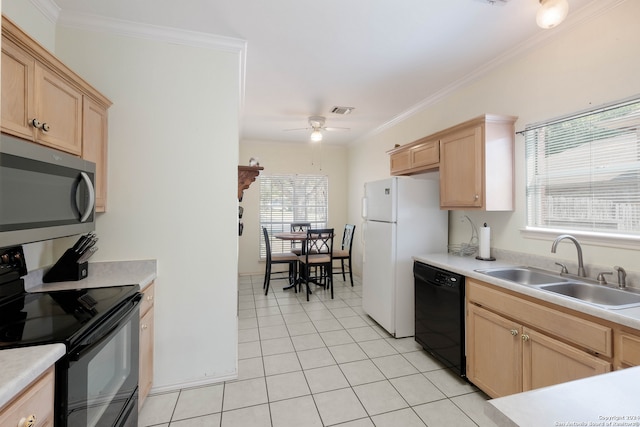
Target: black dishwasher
(439, 315)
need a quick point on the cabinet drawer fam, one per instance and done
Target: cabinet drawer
(581, 332)
(148, 296)
(629, 350)
(37, 400)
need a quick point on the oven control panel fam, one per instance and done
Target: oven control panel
(12, 264)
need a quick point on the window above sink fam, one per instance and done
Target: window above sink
(582, 174)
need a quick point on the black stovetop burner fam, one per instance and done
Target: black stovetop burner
(57, 316)
(63, 316)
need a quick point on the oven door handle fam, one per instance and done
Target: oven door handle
(122, 316)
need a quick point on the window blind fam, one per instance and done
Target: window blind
(583, 171)
(291, 198)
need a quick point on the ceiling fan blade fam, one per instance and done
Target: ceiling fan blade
(288, 130)
(336, 129)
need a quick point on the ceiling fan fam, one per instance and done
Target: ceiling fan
(317, 125)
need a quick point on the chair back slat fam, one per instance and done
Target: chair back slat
(347, 237)
(298, 227)
(267, 243)
(319, 241)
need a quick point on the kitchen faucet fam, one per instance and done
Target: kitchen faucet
(581, 271)
(622, 276)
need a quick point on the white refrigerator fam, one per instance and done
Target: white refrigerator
(402, 218)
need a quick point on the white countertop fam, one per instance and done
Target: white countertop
(467, 265)
(603, 400)
(20, 366)
(101, 274)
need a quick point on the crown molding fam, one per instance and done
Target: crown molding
(48, 8)
(94, 23)
(592, 10)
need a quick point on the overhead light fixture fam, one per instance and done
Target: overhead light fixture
(316, 135)
(552, 13)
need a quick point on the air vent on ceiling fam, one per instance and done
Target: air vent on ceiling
(342, 110)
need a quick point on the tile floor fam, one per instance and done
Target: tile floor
(320, 363)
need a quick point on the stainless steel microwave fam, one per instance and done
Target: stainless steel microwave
(44, 193)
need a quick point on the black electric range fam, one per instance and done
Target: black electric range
(97, 379)
(63, 316)
(58, 316)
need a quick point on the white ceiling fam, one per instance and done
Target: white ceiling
(386, 58)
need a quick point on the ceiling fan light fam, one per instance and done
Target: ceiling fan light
(551, 13)
(316, 136)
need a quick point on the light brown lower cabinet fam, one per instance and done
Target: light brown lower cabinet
(628, 349)
(515, 344)
(34, 404)
(145, 378)
(505, 357)
(494, 352)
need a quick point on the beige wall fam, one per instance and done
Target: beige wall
(584, 65)
(295, 158)
(173, 150)
(169, 178)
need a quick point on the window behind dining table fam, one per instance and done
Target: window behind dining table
(583, 172)
(291, 198)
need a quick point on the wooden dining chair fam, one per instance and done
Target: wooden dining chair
(278, 258)
(298, 227)
(344, 253)
(318, 257)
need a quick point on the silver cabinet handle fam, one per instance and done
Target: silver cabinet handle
(29, 421)
(36, 123)
(514, 332)
(42, 126)
(92, 196)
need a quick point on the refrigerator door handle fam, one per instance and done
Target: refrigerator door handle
(364, 208)
(363, 238)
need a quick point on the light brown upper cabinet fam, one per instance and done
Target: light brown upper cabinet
(475, 159)
(18, 104)
(94, 146)
(476, 164)
(58, 112)
(45, 102)
(420, 156)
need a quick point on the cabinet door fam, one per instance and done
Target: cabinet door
(94, 146)
(59, 105)
(425, 155)
(628, 349)
(462, 169)
(17, 91)
(548, 361)
(400, 162)
(494, 352)
(146, 356)
(35, 401)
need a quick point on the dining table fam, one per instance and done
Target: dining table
(294, 236)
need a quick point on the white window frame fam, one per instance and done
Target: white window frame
(287, 198)
(596, 147)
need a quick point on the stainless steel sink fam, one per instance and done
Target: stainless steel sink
(600, 295)
(522, 275)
